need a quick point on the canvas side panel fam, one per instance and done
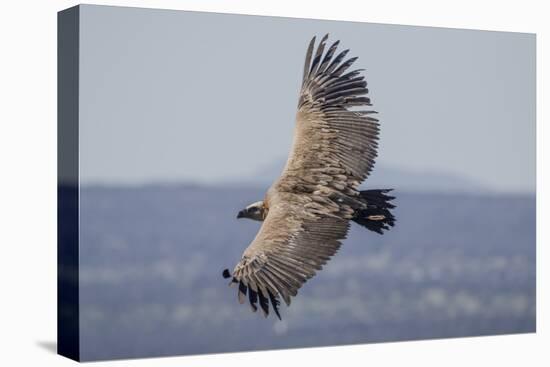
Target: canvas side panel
(67, 183)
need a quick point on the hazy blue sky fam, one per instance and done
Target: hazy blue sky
(175, 96)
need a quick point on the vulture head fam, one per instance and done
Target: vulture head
(255, 211)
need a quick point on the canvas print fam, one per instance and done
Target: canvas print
(240, 183)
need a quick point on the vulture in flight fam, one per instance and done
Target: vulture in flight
(307, 211)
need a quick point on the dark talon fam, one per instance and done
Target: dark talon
(226, 274)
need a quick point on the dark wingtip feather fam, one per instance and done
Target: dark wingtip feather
(318, 55)
(264, 303)
(253, 299)
(327, 58)
(226, 274)
(242, 292)
(275, 303)
(307, 62)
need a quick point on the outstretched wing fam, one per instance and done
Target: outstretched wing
(331, 136)
(296, 239)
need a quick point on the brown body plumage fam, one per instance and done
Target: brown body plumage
(306, 213)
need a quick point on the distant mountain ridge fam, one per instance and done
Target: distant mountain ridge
(382, 177)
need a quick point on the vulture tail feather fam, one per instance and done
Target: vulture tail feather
(377, 216)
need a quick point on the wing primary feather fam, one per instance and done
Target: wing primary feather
(275, 304)
(352, 74)
(328, 57)
(264, 303)
(268, 277)
(345, 65)
(297, 272)
(336, 61)
(242, 292)
(307, 62)
(253, 299)
(284, 277)
(318, 55)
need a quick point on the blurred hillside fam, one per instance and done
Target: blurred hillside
(151, 261)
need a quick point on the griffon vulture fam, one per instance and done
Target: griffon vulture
(306, 213)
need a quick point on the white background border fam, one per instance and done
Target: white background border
(28, 181)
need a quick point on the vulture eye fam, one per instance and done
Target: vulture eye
(253, 209)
